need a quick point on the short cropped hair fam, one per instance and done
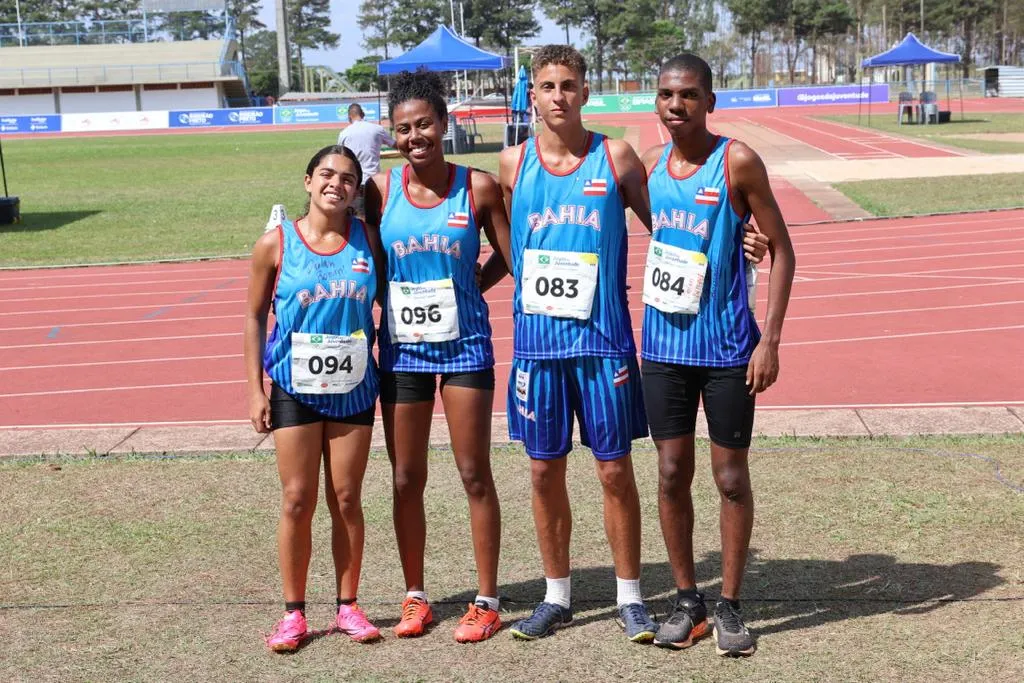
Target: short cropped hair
(692, 63)
(355, 110)
(560, 55)
(418, 85)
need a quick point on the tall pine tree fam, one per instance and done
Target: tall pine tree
(377, 24)
(309, 27)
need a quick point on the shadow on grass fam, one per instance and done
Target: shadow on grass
(37, 221)
(792, 594)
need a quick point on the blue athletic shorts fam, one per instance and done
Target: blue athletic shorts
(604, 394)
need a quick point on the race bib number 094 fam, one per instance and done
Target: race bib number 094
(327, 363)
(560, 284)
(674, 278)
(423, 312)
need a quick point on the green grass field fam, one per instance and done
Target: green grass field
(872, 560)
(104, 199)
(915, 196)
(950, 133)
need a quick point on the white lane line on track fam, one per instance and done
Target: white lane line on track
(914, 258)
(177, 385)
(122, 295)
(878, 151)
(904, 335)
(151, 307)
(780, 133)
(94, 342)
(50, 286)
(929, 243)
(120, 362)
(120, 322)
(894, 139)
(895, 225)
(109, 271)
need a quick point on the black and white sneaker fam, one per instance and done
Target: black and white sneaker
(685, 626)
(732, 639)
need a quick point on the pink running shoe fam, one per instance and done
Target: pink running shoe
(289, 632)
(352, 622)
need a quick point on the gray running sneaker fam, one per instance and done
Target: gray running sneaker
(732, 639)
(687, 624)
(636, 622)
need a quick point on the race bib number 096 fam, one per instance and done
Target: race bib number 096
(327, 363)
(560, 284)
(423, 312)
(674, 278)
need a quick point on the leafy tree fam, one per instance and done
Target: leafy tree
(363, 74)
(751, 17)
(261, 57)
(246, 16)
(563, 14)
(414, 20)
(376, 20)
(309, 24)
(598, 18)
(500, 23)
(963, 18)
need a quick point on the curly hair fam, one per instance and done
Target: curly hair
(561, 55)
(418, 85)
(692, 63)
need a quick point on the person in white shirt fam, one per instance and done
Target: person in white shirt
(365, 139)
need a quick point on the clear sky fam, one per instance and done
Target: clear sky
(343, 21)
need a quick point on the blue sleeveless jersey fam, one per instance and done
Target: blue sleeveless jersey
(695, 213)
(580, 211)
(425, 243)
(324, 294)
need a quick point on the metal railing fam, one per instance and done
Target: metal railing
(101, 32)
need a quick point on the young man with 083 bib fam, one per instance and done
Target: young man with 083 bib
(701, 340)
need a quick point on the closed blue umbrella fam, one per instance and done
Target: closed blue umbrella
(521, 97)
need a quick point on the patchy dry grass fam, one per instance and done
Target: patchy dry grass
(874, 560)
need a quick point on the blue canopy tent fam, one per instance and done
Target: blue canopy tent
(442, 50)
(911, 52)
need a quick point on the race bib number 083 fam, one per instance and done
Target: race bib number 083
(423, 312)
(674, 278)
(328, 363)
(560, 284)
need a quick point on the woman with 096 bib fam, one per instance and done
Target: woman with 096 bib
(320, 275)
(435, 322)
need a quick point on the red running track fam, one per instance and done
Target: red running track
(907, 312)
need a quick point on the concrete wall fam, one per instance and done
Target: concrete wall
(27, 105)
(84, 103)
(190, 98)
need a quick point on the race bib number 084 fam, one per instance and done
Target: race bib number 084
(674, 278)
(328, 363)
(560, 284)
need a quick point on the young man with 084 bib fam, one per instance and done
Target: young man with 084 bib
(701, 340)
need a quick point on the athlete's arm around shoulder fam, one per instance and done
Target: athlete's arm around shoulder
(632, 178)
(374, 195)
(491, 215)
(262, 278)
(749, 179)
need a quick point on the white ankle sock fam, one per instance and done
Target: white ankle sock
(559, 591)
(420, 595)
(627, 591)
(492, 603)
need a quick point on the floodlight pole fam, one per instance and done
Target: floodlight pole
(21, 36)
(284, 69)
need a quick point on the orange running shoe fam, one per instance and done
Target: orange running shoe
(479, 623)
(416, 616)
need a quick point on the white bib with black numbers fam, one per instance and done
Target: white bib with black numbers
(674, 278)
(328, 363)
(423, 311)
(560, 284)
